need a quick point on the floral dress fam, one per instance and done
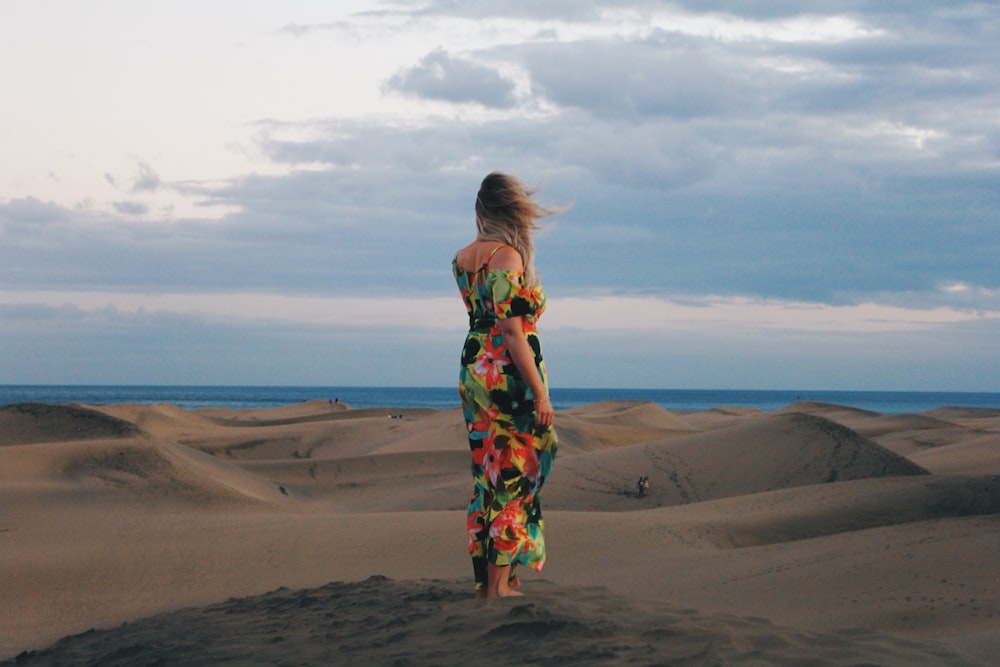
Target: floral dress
(511, 455)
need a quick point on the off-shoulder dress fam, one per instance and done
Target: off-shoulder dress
(511, 455)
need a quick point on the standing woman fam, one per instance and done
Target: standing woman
(504, 387)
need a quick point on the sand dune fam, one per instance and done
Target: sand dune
(433, 622)
(946, 440)
(28, 423)
(705, 420)
(376, 483)
(979, 453)
(331, 435)
(753, 456)
(861, 538)
(615, 424)
(155, 419)
(138, 469)
(957, 413)
(305, 411)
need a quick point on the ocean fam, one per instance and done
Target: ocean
(253, 397)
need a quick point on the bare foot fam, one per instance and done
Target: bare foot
(505, 593)
(498, 584)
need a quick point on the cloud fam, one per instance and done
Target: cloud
(765, 211)
(104, 344)
(299, 30)
(662, 76)
(753, 316)
(636, 314)
(426, 313)
(240, 338)
(28, 211)
(563, 10)
(766, 154)
(441, 76)
(130, 207)
(146, 179)
(765, 158)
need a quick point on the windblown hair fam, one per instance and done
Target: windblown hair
(506, 211)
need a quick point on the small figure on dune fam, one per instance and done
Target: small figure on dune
(642, 486)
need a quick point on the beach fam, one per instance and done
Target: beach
(321, 534)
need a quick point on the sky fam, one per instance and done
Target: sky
(761, 195)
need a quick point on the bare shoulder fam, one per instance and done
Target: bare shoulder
(471, 257)
(507, 258)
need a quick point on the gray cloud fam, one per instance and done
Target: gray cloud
(852, 171)
(662, 76)
(441, 76)
(146, 179)
(695, 166)
(300, 30)
(27, 211)
(566, 10)
(589, 10)
(115, 347)
(771, 216)
(130, 207)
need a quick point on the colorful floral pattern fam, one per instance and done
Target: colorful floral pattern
(511, 455)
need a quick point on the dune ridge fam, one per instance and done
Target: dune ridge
(27, 423)
(754, 456)
(860, 537)
(433, 622)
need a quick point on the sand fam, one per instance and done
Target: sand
(319, 534)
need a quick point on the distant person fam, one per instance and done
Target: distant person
(642, 486)
(504, 386)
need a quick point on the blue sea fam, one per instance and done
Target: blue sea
(245, 398)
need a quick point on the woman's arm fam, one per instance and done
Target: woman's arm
(524, 359)
(512, 328)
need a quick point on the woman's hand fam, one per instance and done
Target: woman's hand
(544, 413)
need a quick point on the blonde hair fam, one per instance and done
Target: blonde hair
(507, 212)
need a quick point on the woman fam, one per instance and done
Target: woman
(504, 387)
